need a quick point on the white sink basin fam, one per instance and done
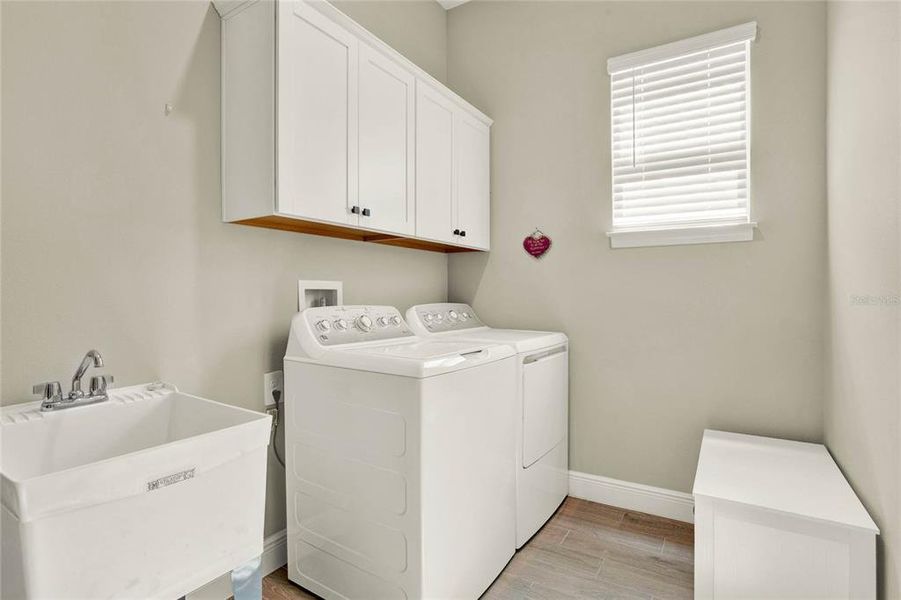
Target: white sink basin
(148, 495)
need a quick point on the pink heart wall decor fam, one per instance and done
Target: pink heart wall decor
(537, 244)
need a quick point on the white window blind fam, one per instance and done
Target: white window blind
(680, 133)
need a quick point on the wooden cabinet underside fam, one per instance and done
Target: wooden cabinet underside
(348, 233)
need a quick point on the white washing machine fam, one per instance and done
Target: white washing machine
(542, 406)
(399, 472)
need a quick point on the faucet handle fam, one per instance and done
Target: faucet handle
(48, 390)
(99, 384)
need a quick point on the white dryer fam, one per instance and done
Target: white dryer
(542, 406)
(399, 472)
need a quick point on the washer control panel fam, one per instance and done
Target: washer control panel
(334, 325)
(446, 317)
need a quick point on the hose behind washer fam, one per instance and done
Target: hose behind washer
(276, 419)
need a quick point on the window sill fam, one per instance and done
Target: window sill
(703, 234)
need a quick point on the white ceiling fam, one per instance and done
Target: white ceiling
(449, 4)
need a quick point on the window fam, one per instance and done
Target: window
(680, 136)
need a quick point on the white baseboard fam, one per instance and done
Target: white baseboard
(275, 552)
(633, 496)
(275, 556)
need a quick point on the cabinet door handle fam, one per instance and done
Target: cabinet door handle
(367, 212)
(456, 232)
(355, 210)
(463, 234)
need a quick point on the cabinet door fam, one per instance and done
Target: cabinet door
(471, 140)
(435, 211)
(386, 160)
(317, 116)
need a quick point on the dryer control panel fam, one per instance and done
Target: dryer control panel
(444, 316)
(335, 325)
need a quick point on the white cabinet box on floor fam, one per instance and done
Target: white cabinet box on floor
(776, 519)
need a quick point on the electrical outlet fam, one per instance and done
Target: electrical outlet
(272, 382)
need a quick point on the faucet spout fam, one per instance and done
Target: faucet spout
(92, 358)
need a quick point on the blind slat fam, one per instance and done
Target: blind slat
(734, 72)
(688, 139)
(686, 218)
(678, 165)
(679, 104)
(649, 187)
(698, 135)
(681, 155)
(666, 120)
(697, 170)
(688, 202)
(705, 205)
(645, 196)
(731, 119)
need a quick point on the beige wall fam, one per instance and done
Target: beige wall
(111, 232)
(415, 28)
(665, 341)
(863, 412)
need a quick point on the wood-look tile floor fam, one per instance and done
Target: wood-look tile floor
(586, 550)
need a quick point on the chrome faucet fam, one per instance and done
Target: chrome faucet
(52, 395)
(91, 358)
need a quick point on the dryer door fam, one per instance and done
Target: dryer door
(545, 398)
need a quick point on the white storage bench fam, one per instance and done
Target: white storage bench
(776, 519)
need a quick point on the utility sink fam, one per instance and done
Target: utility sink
(150, 494)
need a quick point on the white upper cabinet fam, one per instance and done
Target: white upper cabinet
(386, 159)
(471, 141)
(435, 214)
(317, 115)
(327, 130)
(452, 171)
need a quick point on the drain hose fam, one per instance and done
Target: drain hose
(276, 420)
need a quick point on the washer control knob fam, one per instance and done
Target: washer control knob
(428, 317)
(364, 323)
(384, 321)
(439, 317)
(323, 325)
(465, 316)
(395, 320)
(341, 325)
(453, 315)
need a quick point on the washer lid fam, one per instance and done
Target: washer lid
(522, 340)
(424, 350)
(419, 359)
